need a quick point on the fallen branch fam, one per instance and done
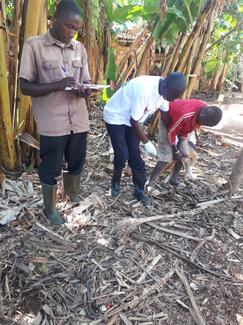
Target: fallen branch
(208, 203)
(182, 277)
(149, 269)
(177, 233)
(129, 225)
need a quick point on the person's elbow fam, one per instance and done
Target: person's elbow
(24, 87)
(133, 122)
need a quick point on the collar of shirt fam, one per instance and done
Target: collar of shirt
(50, 40)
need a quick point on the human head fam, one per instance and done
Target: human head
(173, 86)
(209, 115)
(67, 21)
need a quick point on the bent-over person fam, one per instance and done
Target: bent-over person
(129, 107)
(186, 116)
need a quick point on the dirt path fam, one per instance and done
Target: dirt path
(231, 126)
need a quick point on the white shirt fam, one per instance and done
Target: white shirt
(139, 99)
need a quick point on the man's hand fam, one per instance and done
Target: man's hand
(177, 156)
(150, 149)
(82, 91)
(67, 82)
(138, 131)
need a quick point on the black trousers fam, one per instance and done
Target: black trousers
(126, 147)
(71, 147)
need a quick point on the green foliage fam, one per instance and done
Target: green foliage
(95, 14)
(9, 7)
(110, 73)
(125, 13)
(179, 18)
(51, 5)
(210, 66)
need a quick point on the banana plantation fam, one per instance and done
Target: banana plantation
(198, 38)
(114, 261)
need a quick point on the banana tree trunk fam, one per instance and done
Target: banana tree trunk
(13, 62)
(142, 68)
(223, 77)
(190, 62)
(236, 177)
(8, 155)
(94, 38)
(169, 57)
(197, 66)
(137, 55)
(195, 32)
(31, 27)
(43, 24)
(133, 47)
(218, 73)
(177, 53)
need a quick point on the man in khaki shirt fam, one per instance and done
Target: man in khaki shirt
(50, 64)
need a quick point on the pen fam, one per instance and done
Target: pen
(65, 71)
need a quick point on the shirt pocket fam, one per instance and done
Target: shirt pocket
(77, 68)
(52, 71)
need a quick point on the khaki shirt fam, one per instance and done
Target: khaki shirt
(59, 112)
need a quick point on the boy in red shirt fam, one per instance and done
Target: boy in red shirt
(185, 116)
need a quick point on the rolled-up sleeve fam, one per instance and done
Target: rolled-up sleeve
(28, 68)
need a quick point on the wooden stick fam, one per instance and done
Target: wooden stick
(149, 268)
(175, 232)
(124, 224)
(181, 275)
(208, 203)
(55, 236)
(125, 319)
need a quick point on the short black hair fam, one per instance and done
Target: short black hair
(213, 115)
(67, 6)
(176, 83)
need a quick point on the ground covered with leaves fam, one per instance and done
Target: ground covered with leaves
(115, 262)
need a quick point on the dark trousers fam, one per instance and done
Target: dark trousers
(71, 147)
(126, 147)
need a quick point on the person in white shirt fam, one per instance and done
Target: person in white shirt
(130, 106)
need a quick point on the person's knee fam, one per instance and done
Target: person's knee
(48, 174)
(137, 165)
(75, 167)
(120, 162)
(47, 178)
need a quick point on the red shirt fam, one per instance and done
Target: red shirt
(183, 114)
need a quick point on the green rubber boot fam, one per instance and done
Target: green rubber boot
(116, 180)
(49, 198)
(71, 185)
